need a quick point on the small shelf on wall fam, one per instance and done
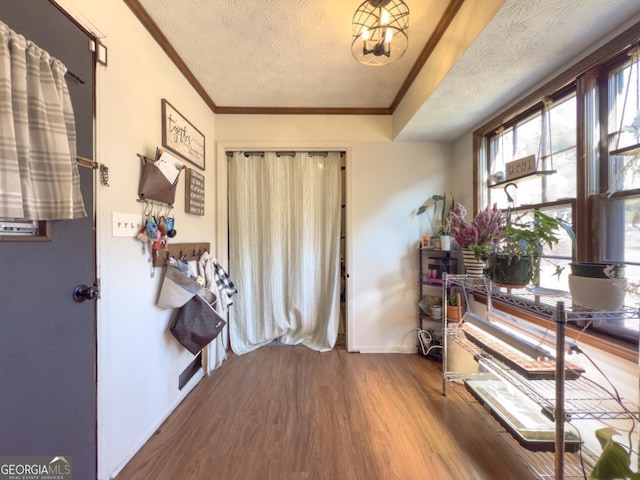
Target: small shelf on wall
(627, 151)
(541, 173)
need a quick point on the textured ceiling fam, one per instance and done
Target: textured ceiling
(285, 53)
(297, 54)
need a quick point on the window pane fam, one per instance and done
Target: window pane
(557, 153)
(623, 115)
(624, 172)
(563, 124)
(501, 151)
(624, 128)
(622, 217)
(527, 138)
(562, 184)
(554, 267)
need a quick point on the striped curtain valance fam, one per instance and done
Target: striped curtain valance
(39, 177)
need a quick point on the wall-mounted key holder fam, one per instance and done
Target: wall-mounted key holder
(185, 251)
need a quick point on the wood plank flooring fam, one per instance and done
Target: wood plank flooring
(289, 413)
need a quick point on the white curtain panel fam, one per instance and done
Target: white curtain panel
(284, 244)
(39, 177)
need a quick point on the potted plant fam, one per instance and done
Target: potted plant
(515, 260)
(439, 218)
(590, 269)
(478, 237)
(454, 307)
(614, 461)
(596, 285)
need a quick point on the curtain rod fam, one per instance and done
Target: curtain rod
(283, 153)
(75, 76)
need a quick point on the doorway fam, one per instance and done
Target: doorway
(47, 339)
(287, 238)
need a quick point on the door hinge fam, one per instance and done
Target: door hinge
(100, 51)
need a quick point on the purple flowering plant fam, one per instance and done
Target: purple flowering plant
(485, 230)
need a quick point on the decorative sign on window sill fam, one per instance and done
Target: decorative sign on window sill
(180, 136)
(194, 192)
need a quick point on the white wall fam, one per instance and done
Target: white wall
(386, 182)
(138, 360)
(461, 171)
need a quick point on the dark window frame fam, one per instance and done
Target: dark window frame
(589, 78)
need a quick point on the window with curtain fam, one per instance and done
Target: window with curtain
(39, 177)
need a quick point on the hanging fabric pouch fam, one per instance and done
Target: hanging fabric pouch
(154, 185)
(197, 323)
(177, 288)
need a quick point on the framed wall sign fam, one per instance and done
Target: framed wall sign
(180, 136)
(194, 192)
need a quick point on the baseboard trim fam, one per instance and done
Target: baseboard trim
(387, 349)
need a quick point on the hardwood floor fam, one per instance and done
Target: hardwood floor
(289, 413)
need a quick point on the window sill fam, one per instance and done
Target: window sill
(623, 350)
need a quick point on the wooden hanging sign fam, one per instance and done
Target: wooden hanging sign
(521, 167)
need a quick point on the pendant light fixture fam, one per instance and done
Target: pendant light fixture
(379, 30)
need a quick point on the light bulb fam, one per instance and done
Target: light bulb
(388, 35)
(365, 34)
(384, 17)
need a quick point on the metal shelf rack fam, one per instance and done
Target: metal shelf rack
(560, 400)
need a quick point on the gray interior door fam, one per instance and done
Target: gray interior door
(48, 340)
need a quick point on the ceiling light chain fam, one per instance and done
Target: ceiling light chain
(379, 31)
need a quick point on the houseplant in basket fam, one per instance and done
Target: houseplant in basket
(476, 238)
(515, 260)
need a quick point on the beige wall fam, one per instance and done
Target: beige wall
(386, 182)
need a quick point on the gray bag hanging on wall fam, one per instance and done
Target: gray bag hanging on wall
(177, 287)
(197, 323)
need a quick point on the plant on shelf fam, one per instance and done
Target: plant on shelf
(454, 307)
(596, 285)
(515, 259)
(438, 210)
(479, 235)
(590, 269)
(614, 460)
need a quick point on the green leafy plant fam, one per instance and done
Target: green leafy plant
(615, 460)
(452, 300)
(515, 258)
(438, 210)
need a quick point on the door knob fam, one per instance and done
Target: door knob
(85, 292)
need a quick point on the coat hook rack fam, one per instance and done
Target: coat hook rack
(177, 250)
